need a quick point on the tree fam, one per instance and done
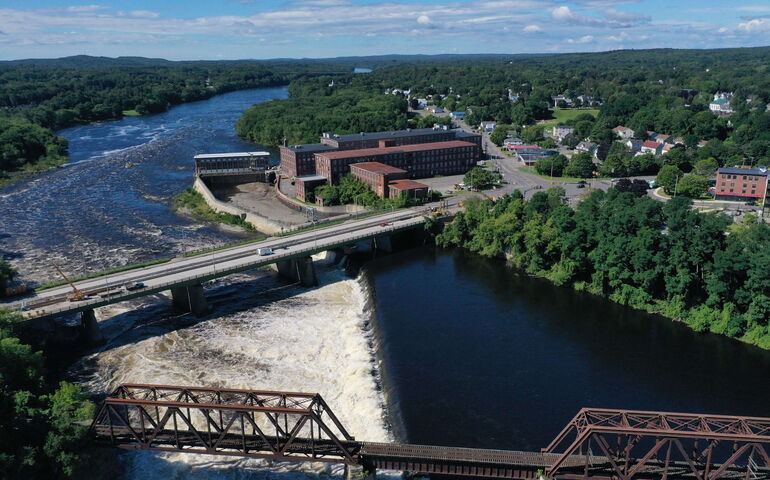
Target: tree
(553, 165)
(499, 134)
(479, 177)
(38, 434)
(692, 185)
(7, 272)
(580, 165)
(668, 176)
(706, 167)
(532, 134)
(637, 187)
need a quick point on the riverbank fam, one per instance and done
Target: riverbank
(663, 259)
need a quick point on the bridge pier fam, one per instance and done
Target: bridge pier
(190, 299)
(358, 472)
(298, 269)
(383, 243)
(90, 328)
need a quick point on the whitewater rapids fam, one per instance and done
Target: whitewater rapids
(262, 334)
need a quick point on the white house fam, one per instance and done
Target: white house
(721, 103)
(623, 132)
(652, 147)
(435, 109)
(561, 131)
(634, 145)
(562, 98)
(587, 147)
(487, 126)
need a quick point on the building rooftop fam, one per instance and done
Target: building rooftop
(350, 137)
(231, 155)
(377, 167)
(405, 185)
(418, 147)
(743, 171)
(310, 147)
(310, 178)
(651, 144)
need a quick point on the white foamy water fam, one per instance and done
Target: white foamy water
(293, 339)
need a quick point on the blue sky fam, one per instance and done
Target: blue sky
(231, 29)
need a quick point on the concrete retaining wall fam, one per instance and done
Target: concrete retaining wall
(300, 207)
(262, 224)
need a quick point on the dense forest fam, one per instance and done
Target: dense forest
(301, 119)
(662, 257)
(39, 436)
(38, 97)
(667, 91)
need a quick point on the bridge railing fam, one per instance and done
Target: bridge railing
(268, 424)
(630, 444)
(318, 245)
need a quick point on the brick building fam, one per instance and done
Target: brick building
(741, 183)
(377, 175)
(359, 141)
(407, 188)
(299, 160)
(306, 184)
(419, 160)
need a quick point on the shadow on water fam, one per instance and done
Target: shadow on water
(477, 354)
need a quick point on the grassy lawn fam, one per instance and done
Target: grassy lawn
(131, 113)
(562, 115)
(554, 179)
(193, 202)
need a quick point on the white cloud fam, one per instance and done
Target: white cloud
(583, 39)
(84, 8)
(424, 20)
(533, 29)
(621, 16)
(754, 8)
(562, 13)
(755, 25)
(144, 14)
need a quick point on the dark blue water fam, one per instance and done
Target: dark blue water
(111, 205)
(474, 354)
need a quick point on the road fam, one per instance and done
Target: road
(528, 183)
(203, 267)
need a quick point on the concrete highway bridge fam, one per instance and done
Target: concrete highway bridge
(184, 277)
(597, 443)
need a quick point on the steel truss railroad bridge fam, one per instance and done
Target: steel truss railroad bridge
(597, 443)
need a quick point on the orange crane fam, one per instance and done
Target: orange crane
(77, 295)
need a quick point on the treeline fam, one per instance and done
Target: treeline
(39, 436)
(661, 257)
(303, 118)
(38, 97)
(667, 91)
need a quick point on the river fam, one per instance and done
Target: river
(424, 346)
(110, 205)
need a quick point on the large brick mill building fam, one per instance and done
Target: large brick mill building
(300, 160)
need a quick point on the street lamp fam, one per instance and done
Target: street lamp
(676, 183)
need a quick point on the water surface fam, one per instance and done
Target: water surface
(111, 205)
